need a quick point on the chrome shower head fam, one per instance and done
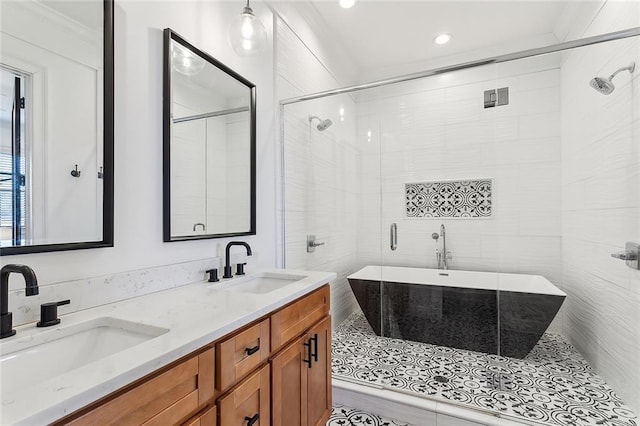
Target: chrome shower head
(605, 85)
(602, 85)
(323, 125)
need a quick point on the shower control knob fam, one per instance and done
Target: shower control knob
(625, 255)
(631, 255)
(312, 243)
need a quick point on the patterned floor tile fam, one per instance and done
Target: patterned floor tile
(553, 385)
(345, 416)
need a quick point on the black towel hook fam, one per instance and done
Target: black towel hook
(75, 173)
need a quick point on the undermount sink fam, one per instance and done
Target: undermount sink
(33, 359)
(261, 283)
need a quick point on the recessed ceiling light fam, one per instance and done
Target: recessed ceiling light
(347, 3)
(442, 38)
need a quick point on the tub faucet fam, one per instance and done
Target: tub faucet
(442, 256)
(227, 265)
(31, 282)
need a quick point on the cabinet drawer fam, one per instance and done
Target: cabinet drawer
(291, 321)
(238, 355)
(170, 397)
(249, 402)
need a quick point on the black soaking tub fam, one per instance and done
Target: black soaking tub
(495, 313)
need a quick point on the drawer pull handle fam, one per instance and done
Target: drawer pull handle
(251, 420)
(315, 347)
(253, 350)
(308, 361)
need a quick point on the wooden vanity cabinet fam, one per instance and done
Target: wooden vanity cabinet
(301, 379)
(276, 370)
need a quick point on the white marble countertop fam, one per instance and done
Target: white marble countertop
(195, 315)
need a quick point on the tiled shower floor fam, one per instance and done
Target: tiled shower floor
(552, 385)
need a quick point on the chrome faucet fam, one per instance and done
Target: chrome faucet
(227, 265)
(31, 289)
(442, 256)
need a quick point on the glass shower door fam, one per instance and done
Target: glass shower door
(330, 220)
(569, 318)
(439, 288)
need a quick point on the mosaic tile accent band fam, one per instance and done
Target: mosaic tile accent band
(457, 199)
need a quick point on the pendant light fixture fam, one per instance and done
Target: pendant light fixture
(247, 35)
(184, 61)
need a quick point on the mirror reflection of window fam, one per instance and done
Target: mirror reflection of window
(13, 165)
(51, 50)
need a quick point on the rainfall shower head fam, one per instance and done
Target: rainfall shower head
(605, 85)
(323, 125)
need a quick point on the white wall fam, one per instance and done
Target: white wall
(320, 177)
(138, 143)
(601, 201)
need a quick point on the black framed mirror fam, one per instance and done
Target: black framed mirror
(56, 146)
(209, 146)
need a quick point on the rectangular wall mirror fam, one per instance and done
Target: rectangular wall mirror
(209, 146)
(56, 124)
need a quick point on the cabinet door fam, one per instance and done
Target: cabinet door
(289, 386)
(319, 375)
(248, 404)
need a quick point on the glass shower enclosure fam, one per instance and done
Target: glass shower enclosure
(478, 218)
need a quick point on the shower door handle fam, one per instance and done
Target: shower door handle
(393, 236)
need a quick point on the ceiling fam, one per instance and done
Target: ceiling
(376, 34)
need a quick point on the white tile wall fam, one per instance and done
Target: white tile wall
(441, 131)
(601, 203)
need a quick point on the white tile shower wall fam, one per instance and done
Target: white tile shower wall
(439, 130)
(95, 291)
(238, 205)
(320, 183)
(601, 202)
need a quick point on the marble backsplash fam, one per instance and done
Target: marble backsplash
(95, 291)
